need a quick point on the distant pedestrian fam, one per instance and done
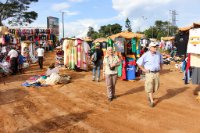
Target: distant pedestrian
(110, 68)
(40, 54)
(97, 62)
(20, 62)
(151, 63)
(13, 60)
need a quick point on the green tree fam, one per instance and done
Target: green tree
(160, 29)
(128, 25)
(92, 33)
(16, 12)
(104, 31)
(107, 30)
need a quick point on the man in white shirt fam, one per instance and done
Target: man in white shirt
(40, 54)
(13, 60)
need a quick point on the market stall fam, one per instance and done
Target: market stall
(182, 37)
(76, 53)
(127, 46)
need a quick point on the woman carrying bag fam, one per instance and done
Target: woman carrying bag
(110, 65)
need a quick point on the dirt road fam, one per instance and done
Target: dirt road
(82, 107)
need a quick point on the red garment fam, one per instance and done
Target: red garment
(123, 77)
(141, 52)
(188, 63)
(133, 63)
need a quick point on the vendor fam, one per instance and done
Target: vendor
(52, 69)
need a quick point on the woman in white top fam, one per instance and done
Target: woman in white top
(110, 64)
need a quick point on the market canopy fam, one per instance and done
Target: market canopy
(100, 40)
(87, 39)
(194, 25)
(127, 35)
(170, 38)
(3, 30)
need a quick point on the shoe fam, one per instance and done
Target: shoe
(98, 80)
(93, 78)
(114, 97)
(151, 104)
(110, 99)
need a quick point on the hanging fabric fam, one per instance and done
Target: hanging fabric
(110, 43)
(133, 43)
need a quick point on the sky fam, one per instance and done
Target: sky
(80, 14)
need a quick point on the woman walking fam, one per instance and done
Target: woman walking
(110, 65)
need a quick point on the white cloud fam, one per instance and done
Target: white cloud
(79, 28)
(127, 7)
(60, 6)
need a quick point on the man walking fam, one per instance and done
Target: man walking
(40, 54)
(151, 63)
(97, 62)
(13, 60)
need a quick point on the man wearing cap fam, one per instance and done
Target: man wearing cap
(151, 63)
(97, 64)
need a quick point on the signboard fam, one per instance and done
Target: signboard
(194, 41)
(53, 23)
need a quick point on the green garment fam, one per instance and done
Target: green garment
(133, 44)
(120, 70)
(110, 43)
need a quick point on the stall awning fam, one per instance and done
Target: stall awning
(127, 35)
(100, 40)
(87, 39)
(194, 25)
(167, 38)
(3, 30)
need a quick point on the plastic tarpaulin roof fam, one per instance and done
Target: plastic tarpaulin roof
(100, 40)
(127, 35)
(3, 30)
(167, 38)
(194, 25)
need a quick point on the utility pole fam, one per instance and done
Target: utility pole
(63, 24)
(173, 14)
(63, 28)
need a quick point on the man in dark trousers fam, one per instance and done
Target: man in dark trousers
(40, 54)
(97, 64)
(13, 60)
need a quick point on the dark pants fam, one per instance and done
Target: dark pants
(40, 61)
(97, 66)
(14, 65)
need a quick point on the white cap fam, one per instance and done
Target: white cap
(152, 44)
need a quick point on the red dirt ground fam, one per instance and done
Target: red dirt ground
(82, 107)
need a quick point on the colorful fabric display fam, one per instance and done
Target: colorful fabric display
(119, 44)
(133, 43)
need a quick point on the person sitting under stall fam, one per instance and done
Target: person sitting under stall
(52, 69)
